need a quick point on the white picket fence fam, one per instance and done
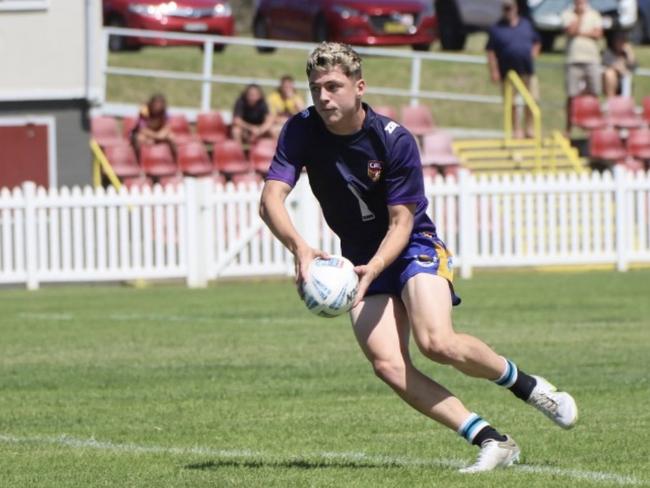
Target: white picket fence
(201, 231)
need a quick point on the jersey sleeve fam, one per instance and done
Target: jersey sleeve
(288, 159)
(404, 182)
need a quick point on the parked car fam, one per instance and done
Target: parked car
(360, 22)
(546, 15)
(202, 16)
(457, 18)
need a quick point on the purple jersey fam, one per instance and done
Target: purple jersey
(355, 177)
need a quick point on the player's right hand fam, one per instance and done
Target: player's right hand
(302, 258)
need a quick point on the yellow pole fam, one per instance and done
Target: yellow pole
(100, 162)
(507, 108)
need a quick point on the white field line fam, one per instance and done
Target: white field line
(324, 457)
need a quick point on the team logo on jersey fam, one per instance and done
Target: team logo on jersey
(427, 261)
(391, 126)
(305, 113)
(374, 170)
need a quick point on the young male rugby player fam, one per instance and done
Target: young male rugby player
(365, 171)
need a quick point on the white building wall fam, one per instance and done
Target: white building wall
(50, 50)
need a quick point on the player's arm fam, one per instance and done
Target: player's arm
(400, 226)
(493, 66)
(275, 215)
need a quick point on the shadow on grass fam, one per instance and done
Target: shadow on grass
(289, 463)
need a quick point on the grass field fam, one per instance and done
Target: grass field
(237, 385)
(436, 76)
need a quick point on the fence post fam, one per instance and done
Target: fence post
(31, 251)
(467, 223)
(206, 85)
(620, 197)
(416, 70)
(195, 206)
(307, 213)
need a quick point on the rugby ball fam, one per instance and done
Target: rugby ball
(331, 286)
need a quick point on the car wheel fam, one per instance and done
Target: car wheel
(639, 31)
(425, 46)
(117, 43)
(452, 34)
(320, 29)
(261, 31)
(548, 41)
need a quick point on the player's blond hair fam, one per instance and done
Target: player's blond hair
(328, 55)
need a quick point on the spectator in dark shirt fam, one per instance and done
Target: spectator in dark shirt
(513, 44)
(252, 119)
(619, 63)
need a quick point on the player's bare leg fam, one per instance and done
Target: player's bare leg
(428, 303)
(381, 327)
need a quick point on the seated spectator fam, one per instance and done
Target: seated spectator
(252, 119)
(152, 126)
(284, 102)
(619, 63)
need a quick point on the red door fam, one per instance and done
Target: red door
(24, 154)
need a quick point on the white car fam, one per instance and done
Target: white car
(456, 18)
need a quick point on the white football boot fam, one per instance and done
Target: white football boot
(559, 406)
(493, 455)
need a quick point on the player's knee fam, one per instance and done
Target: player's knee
(440, 349)
(391, 372)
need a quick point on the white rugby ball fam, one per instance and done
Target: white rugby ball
(331, 286)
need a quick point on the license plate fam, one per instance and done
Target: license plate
(196, 27)
(395, 28)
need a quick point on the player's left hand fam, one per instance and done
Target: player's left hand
(367, 274)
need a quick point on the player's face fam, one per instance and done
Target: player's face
(337, 98)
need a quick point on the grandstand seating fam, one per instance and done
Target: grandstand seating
(193, 159)
(437, 151)
(128, 124)
(228, 158)
(105, 130)
(417, 119)
(248, 177)
(211, 127)
(646, 109)
(180, 127)
(606, 145)
(137, 182)
(123, 160)
(586, 113)
(261, 155)
(621, 113)
(638, 144)
(157, 160)
(386, 110)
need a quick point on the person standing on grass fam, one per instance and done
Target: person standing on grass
(583, 27)
(513, 44)
(365, 171)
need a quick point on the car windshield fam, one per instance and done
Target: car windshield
(557, 6)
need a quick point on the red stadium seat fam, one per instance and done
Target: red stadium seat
(586, 113)
(437, 150)
(157, 160)
(211, 127)
(228, 157)
(621, 113)
(606, 145)
(638, 144)
(193, 159)
(123, 160)
(105, 130)
(261, 155)
(418, 119)
(174, 180)
(180, 127)
(128, 124)
(249, 177)
(646, 109)
(386, 111)
(139, 182)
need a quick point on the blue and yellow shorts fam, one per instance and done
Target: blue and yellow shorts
(425, 253)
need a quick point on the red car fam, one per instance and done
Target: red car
(360, 22)
(197, 16)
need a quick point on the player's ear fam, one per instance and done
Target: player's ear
(360, 87)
